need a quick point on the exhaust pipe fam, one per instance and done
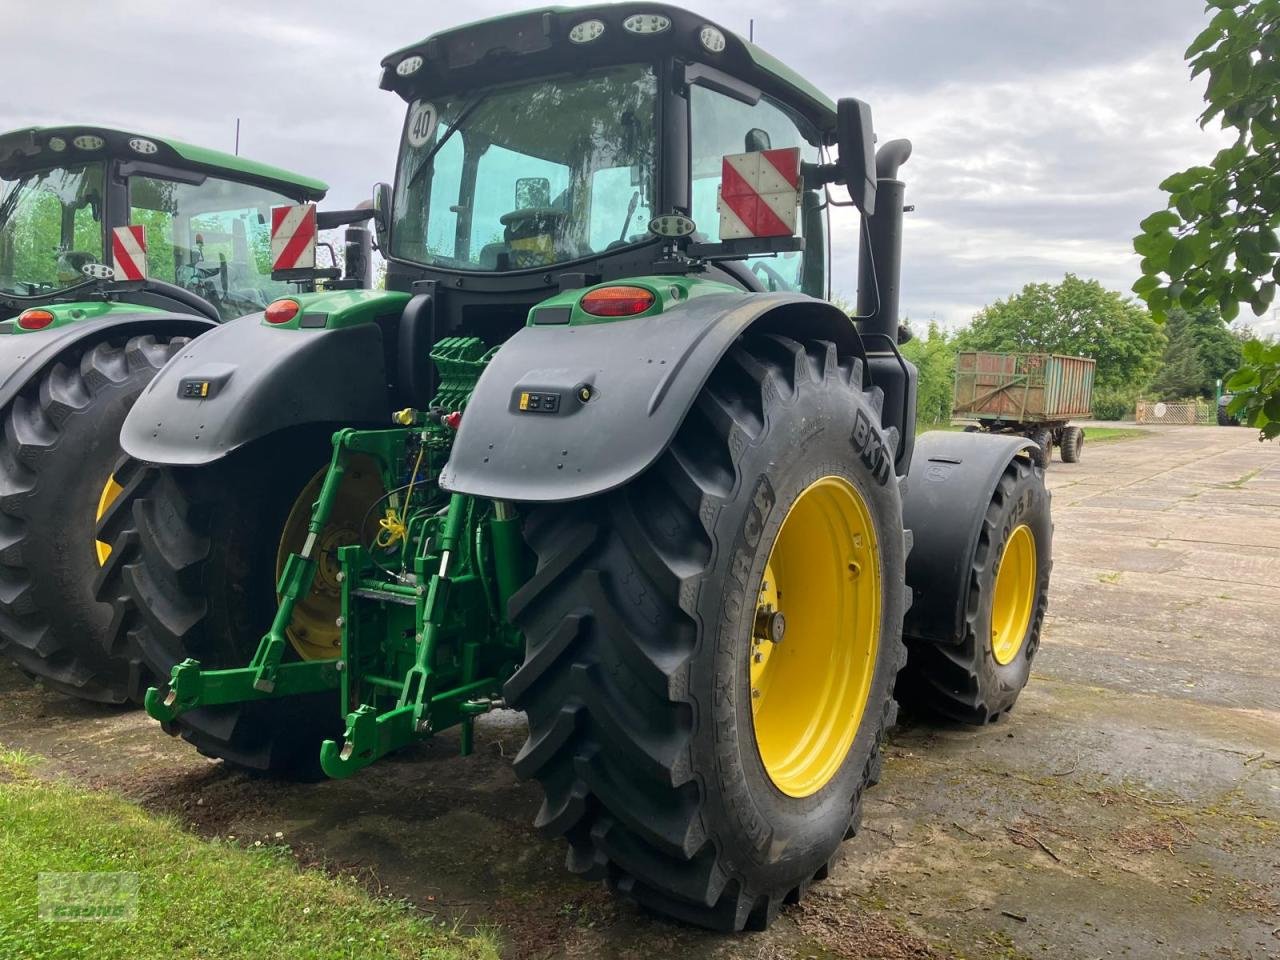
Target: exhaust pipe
(880, 249)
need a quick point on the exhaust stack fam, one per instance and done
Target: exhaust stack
(880, 247)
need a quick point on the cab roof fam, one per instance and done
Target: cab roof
(537, 42)
(34, 147)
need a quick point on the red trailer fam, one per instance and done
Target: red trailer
(1033, 394)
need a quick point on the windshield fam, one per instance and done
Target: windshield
(528, 176)
(50, 227)
(212, 238)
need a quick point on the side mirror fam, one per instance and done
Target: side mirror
(856, 141)
(382, 216)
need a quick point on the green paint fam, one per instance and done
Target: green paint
(668, 291)
(68, 313)
(781, 72)
(342, 308)
(210, 161)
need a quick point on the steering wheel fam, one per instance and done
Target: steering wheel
(773, 278)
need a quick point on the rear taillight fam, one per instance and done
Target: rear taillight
(34, 319)
(282, 311)
(617, 301)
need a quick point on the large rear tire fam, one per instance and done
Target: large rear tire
(59, 446)
(192, 573)
(656, 697)
(978, 676)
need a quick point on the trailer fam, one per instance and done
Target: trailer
(1035, 395)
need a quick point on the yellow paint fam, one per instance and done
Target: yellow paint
(810, 691)
(314, 632)
(110, 492)
(524, 401)
(1013, 599)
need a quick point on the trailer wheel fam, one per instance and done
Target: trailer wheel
(711, 650)
(1072, 444)
(979, 675)
(192, 573)
(1042, 437)
(56, 456)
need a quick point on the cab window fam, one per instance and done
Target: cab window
(722, 125)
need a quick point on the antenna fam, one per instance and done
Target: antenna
(751, 29)
(237, 136)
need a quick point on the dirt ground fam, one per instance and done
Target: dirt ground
(1128, 807)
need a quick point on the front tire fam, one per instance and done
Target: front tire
(59, 446)
(642, 623)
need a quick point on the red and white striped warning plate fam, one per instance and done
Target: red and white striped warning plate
(759, 194)
(293, 237)
(129, 252)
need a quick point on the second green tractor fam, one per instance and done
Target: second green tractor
(598, 453)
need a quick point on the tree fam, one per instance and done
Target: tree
(1075, 317)
(935, 358)
(1200, 351)
(1215, 242)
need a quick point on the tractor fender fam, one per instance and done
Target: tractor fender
(247, 379)
(25, 356)
(952, 480)
(604, 400)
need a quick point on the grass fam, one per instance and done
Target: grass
(195, 899)
(1108, 434)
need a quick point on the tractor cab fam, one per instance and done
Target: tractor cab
(519, 176)
(205, 217)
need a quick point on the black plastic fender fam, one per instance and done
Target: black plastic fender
(950, 484)
(605, 400)
(24, 356)
(246, 380)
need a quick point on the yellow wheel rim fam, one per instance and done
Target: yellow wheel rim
(314, 632)
(809, 690)
(1013, 600)
(110, 493)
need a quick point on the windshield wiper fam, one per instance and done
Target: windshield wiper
(469, 109)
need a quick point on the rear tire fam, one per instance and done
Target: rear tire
(1072, 444)
(59, 446)
(192, 574)
(966, 680)
(637, 680)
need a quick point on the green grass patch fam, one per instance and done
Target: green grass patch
(1108, 434)
(195, 898)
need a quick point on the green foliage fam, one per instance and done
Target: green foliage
(935, 358)
(1200, 351)
(1077, 318)
(1216, 242)
(1114, 403)
(1256, 388)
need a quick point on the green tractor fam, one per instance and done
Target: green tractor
(79, 346)
(602, 453)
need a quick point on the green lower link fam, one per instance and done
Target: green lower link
(425, 641)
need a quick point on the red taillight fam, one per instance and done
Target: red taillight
(34, 319)
(282, 311)
(617, 301)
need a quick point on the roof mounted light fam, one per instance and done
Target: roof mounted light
(712, 39)
(646, 23)
(409, 66)
(57, 144)
(87, 141)
(586, 31)
(139, 145)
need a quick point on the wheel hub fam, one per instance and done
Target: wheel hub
(1013, 599)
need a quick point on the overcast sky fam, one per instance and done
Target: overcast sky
(1041, 127)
